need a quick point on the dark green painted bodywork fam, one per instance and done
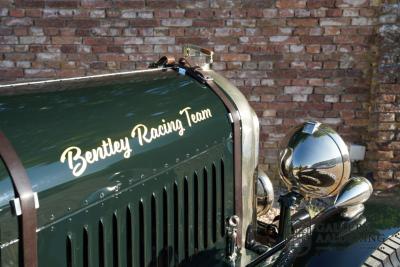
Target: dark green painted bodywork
(335, 243)
(167, 202)
(124, 204)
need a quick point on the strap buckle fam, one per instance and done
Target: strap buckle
(16, 204)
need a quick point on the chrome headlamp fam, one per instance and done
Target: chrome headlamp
(314, 161)
(264, 194)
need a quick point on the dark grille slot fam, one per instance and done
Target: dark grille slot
(196, 211)
(129, 246)
(115, 239)
(69, 251)
(153, 231)
(85, 247)
(200, 211)
(179, 219)
(165, 254)
(186, 216)
(222, 198)
(101, 244)
(205, 208)
(190, 215)
(214, 203)
(217, 199)
(136, 233)
(176, 224)
(141, 234)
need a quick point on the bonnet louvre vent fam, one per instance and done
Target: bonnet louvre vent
(165, 228)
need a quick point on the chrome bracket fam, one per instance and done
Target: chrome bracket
(197, 51)
(208, 78)
(231, 228)
(16, 204)
(181, 71)
(352, 211)
(230, 117)
(311, 127)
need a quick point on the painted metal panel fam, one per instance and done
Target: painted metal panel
(105, 217)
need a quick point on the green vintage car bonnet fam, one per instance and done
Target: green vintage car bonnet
(130, 169)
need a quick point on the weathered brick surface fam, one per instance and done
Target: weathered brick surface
(383, 140)
(294, 60)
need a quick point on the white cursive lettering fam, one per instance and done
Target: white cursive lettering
(143, 134)
(196, 117)
(78, 161)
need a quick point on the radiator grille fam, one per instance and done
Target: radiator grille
(163, 227)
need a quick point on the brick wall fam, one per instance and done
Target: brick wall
(384, 136)
(294, 59)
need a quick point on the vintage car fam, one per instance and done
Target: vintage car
(158, 167)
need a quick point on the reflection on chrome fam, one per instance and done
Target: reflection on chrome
(356, 191)
(264, 193)
(314, 160)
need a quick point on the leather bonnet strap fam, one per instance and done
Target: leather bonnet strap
(237, 141)
(23, 190)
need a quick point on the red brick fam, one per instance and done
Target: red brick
(144, 22)
(333, 12)
(162, 4)
(33, 13)
(66, 40)
(177, 13)
(349, 39)
(40, 73)
(128, 4)
(19, 13)
(68, 49)
(302, 22)
(320, 3)
(113, 57)
(348, 31)
(20, 31)
(314, 49)
(191, 40)
(207, 23)
(332, 31)
(316, 39)
(50, 22)
(97, 40)
(30, 4)
(83, 23)
(99, 48)
(8, 74)
(367, 12)
(62, 4)
(71, 72)
(316, 106)
(291, 3)
(330, 65)
(255, 13)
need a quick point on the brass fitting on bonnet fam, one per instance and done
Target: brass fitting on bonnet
(231, 228)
